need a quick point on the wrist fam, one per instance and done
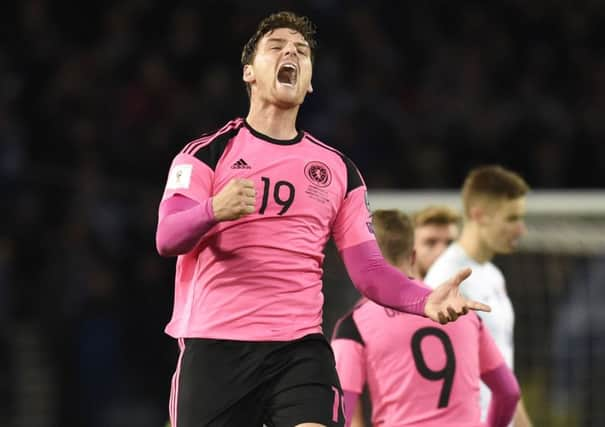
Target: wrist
(210, 210)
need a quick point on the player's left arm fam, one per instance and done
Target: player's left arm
(500, 379)
(507, 388)
(375, 278)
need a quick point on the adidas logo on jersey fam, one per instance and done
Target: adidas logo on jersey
(240, 164)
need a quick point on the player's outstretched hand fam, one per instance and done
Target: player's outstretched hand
(235, 200)
(446, 302)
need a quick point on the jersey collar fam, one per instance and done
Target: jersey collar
(267, 138)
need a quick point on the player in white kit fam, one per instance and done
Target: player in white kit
(494, 210)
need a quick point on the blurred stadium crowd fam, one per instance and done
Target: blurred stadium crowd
(96, 98)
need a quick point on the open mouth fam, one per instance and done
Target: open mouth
(287, 74)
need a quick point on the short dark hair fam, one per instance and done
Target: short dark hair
(283, 19)
(394, 234)
(492, 182)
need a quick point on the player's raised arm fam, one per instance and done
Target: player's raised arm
(386, 286)
(379, 281)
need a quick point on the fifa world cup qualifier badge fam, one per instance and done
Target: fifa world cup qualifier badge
(179, 177)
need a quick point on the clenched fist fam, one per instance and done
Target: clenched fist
(235, 200)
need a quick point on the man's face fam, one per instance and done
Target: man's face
(430, 241)
(503, 224)
(281, 70)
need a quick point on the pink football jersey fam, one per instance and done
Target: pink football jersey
(418, 373)
(259, 278)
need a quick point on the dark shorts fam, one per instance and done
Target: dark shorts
(248, 384)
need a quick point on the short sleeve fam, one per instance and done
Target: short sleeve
(489, 356)
(189, 177)
(349, 352)
(353, 224)
(350, 364)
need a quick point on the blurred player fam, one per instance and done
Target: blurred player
(248, 210)
(435, 228)
(418, 373)
(494, 209)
